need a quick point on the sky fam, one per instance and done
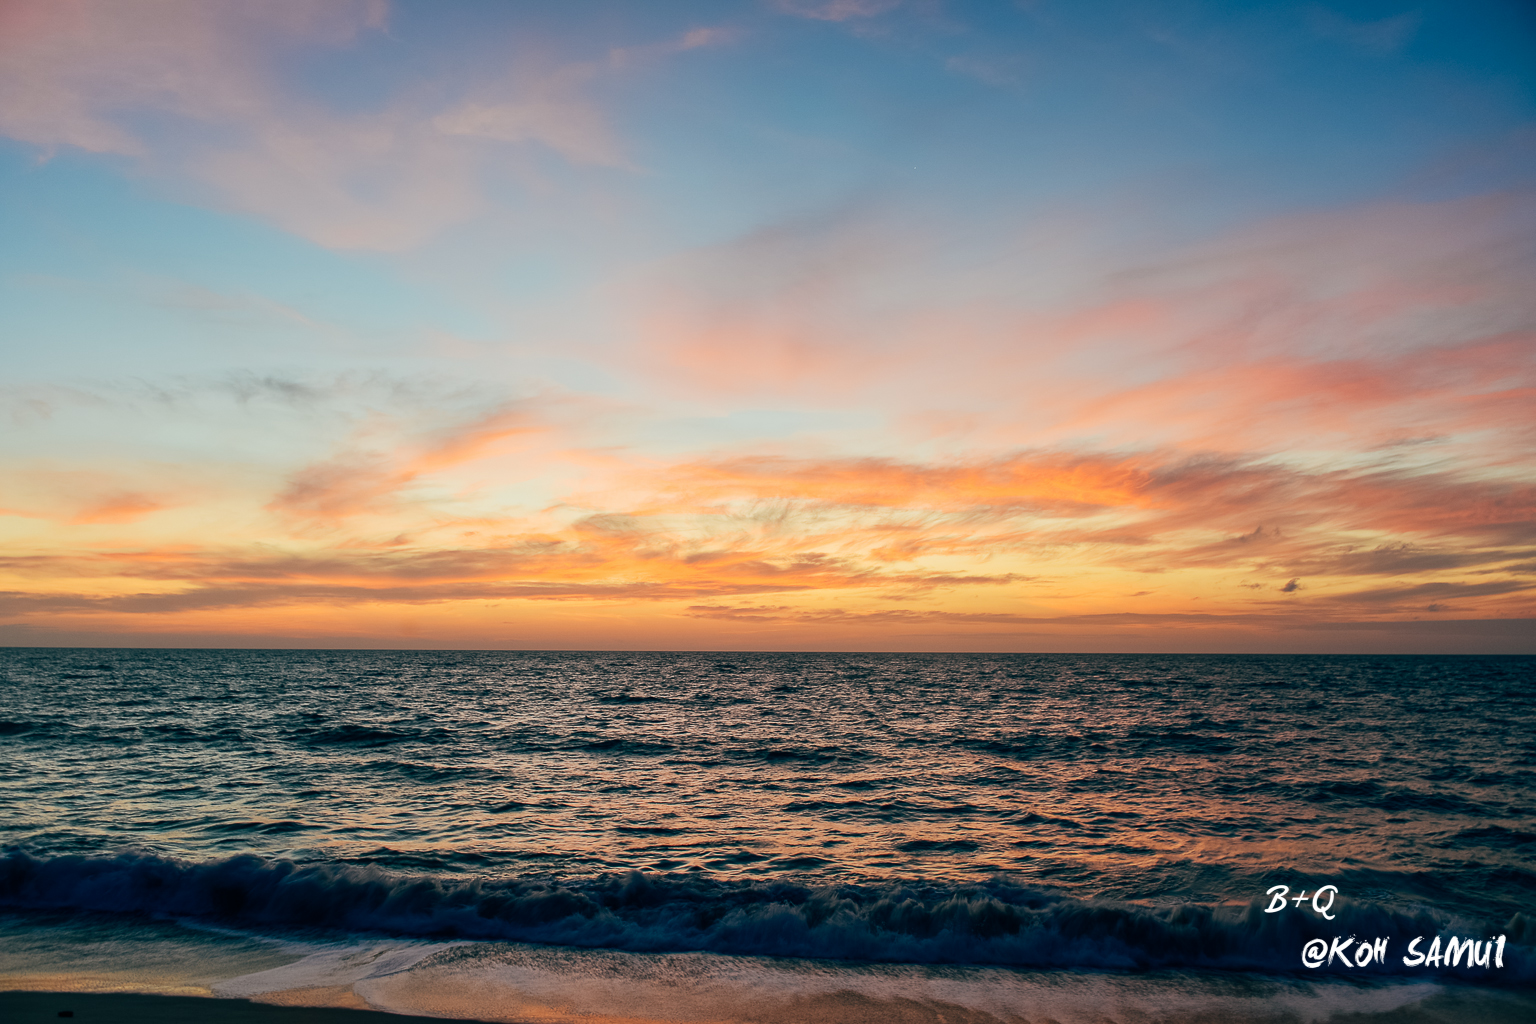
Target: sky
(907, 325)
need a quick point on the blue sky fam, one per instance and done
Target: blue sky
(321, 318)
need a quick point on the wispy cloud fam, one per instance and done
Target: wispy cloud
(363, 480)
(83, 497)
(1058, 481)
(223, 123)
(1382, 34)
(836, 10)
(1345, 330)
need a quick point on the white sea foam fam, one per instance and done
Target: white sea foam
(514, 982)
(504, 981)
(345, 965)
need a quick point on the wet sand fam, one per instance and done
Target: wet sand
(1447, 1007)
(126, 1008)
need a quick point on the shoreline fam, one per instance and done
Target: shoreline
(1447, 1005)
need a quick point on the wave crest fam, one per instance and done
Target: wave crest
(994, 923)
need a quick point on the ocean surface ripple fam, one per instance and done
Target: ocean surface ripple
(1113, 811)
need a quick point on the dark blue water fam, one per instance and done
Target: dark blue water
(1057, 811)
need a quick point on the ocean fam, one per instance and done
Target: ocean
(775, 837)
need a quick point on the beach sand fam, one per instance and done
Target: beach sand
(105, 968)
(1447, 1007)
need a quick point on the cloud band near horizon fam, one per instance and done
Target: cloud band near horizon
(886, 325)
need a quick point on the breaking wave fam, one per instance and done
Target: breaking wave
(993, 923)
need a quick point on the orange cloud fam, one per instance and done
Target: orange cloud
(364, 481)
(87, 497)
(1056, 481)
(117, 508)
(1041, 540)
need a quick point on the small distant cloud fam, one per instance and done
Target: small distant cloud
(695, 38)
(1399, 559)
(1435, 591)
(1386, 35)
(761, 611)
(548, 114)
(1291, 587)
(997, 71)
(835, 10)
(117, 508)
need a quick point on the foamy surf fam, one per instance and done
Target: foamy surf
(329, 977)
(513, 982)
(541, 984)
(524, 982)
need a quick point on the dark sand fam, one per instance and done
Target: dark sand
(125, 1008)
(1454, 1006)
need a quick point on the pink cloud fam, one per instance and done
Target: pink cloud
(1339, 329)
(85, 67)
(1358, 404)
(82, 72)
(836, 10)
(67, 67)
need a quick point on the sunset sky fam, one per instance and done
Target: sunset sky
(771, 324)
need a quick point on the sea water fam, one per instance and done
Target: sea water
(796, 836)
